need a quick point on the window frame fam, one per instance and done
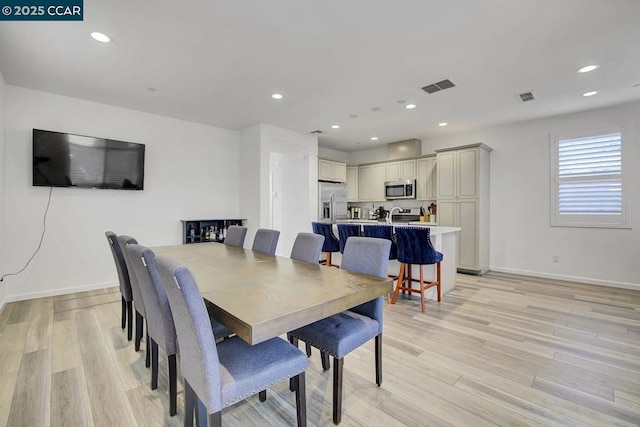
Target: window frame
(588, 220)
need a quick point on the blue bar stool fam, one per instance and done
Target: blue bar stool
(331, 243)
(414, 247)
(345, 231)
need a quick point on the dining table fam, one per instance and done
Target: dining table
(260, 296)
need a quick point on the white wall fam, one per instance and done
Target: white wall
(191, 173)
(522, 241)
(335, 155)
(3, 265)
(279, 187)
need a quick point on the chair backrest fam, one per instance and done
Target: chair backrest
(345, 231)
(414, 246)
(307, 247)
(121, 266)
(382, 231)
(235, 236)
(266, 241)
(138, 300)
(199, 361)
(331, 242)
(368, 255)
(160, 325)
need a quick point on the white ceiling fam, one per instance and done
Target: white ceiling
(218, 62)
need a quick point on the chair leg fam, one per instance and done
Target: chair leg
(379, 360)
(439, 279)
(154, 365)
(215, 420)
(324, 358)
(262, 395)
(338, 365)
(124, 313)
(422, 305)
(147, 360)
(130, 320)
(173, 387)
(301, 400)
(188, 404)
(329, 259)
(308, 348)
(139, 331)
(399, 285)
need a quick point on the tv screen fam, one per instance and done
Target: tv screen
(66, 160)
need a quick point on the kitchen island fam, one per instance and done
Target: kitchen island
(443, 240)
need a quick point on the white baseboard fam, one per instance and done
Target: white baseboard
(56, 292)
(611, 284)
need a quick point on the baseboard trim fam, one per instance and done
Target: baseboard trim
(56, 292)
(590, 281)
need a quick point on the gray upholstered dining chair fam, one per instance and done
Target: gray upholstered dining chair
(125, 284)
(138, 301)
(220, 375)
(160, 327)
(235, 236)
(307, 247)
(338, 335)
(266, 241)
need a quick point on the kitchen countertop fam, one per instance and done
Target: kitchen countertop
(435, 230)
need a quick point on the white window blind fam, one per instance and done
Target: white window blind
(589, 188)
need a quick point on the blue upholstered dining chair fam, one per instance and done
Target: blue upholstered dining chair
(307, 247)
(138, 301)
(266, 241)
(414, 247)
(331, 243)
(219, 375)
(345, 231)
(160, 327)
(125, 283)
(338, 335)
(235, 236)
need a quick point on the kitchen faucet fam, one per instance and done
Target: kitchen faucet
(391, 213)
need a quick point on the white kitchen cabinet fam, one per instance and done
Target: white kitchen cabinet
(371, 179)
(352, 183)
(328, 170)
(426, 179)
(401, 170)
(463, 201)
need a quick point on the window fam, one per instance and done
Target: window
(588, 183)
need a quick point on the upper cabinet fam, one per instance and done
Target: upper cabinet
(352, 183)
(426, 179)
(328, 170)
(401, 170)
(371, 179)
(459, 172)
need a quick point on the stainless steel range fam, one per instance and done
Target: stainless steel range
(406, 215)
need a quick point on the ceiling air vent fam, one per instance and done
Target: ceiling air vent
(436, 87)
(526, 96)
(316, 131)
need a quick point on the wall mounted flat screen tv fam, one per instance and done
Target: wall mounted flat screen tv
(67, 160)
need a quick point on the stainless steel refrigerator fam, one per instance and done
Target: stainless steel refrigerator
(333, 201)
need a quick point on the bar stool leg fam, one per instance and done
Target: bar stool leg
(399, 285)
(439, 289)
(422, 288)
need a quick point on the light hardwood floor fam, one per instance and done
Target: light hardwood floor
(499, 350)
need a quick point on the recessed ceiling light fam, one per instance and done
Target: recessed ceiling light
(335, 126)
(442, 124)
(374, 138)
(101, 37)
(588, 68)
(591, 93)
(277, 96)
(410, 106)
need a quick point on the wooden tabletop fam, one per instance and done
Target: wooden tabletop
(261, 296)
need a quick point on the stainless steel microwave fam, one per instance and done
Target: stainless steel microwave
(400, 189)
